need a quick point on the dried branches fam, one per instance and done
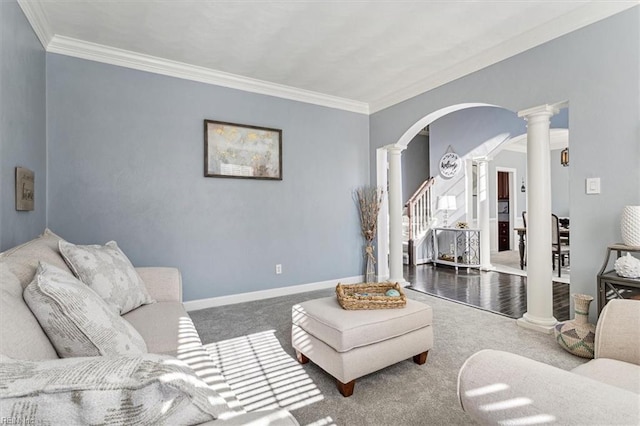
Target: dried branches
(369, 199)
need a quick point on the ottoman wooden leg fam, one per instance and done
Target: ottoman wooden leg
(346, 389)
(420, 358)
(302, 359)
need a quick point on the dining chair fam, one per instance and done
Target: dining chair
(559, 250)
(564, 224)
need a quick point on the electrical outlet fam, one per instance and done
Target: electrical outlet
(278, 269)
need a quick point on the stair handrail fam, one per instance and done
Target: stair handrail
(419, 209)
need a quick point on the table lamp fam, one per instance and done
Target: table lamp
(446, 203)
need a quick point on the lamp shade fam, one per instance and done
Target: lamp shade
(446, 202)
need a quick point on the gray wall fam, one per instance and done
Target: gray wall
(600, 77)
(513, 160)
(517, 160)
(126, 163)
(415, 166)
(22, 124)
(467, 129)
(560, 195)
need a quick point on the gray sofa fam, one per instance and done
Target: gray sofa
(165, 325)
(498, 387)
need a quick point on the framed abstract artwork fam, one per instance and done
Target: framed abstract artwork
(240, 151)
(24, 189)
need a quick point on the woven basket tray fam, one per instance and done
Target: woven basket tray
(369, 296)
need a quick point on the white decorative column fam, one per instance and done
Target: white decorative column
(395, 215)
(383, 218)
(539, 315)
(483, 215)
(469, 190)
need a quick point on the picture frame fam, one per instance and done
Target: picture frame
(242, 151)
(25, 184)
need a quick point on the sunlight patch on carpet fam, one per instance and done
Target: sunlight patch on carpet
(262, 374)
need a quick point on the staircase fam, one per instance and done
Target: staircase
(417, 220)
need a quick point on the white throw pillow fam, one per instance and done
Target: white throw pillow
(109, 272)
(76, 320)
(144, 390)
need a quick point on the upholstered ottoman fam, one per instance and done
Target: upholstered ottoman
(351, 344)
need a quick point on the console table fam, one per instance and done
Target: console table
(613, 286)
(456, 247)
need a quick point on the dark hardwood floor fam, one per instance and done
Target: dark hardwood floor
(500, 293)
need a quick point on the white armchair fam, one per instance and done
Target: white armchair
(496, 387)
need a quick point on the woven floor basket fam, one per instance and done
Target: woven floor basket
(369, 296)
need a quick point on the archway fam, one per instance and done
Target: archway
(391, 240)
(539, 313)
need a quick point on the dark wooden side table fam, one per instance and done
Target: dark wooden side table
(613, 286)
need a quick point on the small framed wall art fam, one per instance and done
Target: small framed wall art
(24, 189)
(241, 151)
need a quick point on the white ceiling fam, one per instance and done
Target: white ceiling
(369, 54)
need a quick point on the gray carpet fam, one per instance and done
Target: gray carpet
(261, 374)
(405, 393)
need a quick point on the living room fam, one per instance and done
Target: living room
(117, 153)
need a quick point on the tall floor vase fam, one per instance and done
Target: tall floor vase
(370, 264)
(578, 335)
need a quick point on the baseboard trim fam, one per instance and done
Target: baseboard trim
(194, 305)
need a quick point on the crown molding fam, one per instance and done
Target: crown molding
(125, 58)
(38, 20)
(578, 18)
(588, 14)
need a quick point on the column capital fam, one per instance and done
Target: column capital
(541, 110)
(394, 149)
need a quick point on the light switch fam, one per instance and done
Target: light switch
(593, 185)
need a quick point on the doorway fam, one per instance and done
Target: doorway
(503, 212)
(506, 208)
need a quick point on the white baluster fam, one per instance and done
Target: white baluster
(425, 211)
(420, 214)
(413, 221)
(429, 204)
